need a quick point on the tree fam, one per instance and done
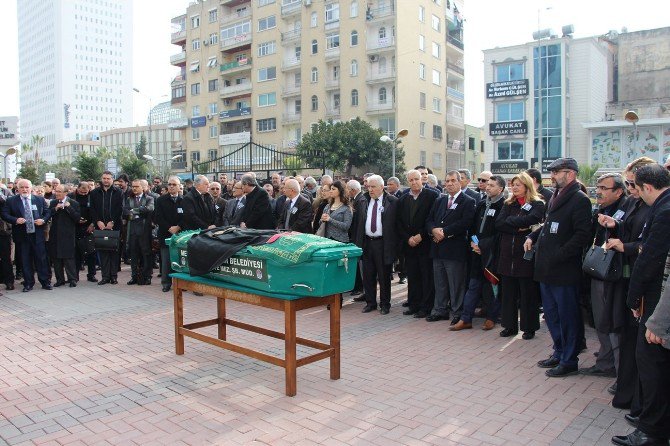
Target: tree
(587, 174)
(88, 166)
(292, 164)
(141, 148)
(29, 172)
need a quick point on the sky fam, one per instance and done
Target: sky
(488, 24)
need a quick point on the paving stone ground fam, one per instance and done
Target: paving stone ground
(96, 365)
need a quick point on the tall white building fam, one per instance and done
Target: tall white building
(75, 69)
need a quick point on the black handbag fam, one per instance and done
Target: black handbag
(602, 264)
(106, 240)
(86, 245)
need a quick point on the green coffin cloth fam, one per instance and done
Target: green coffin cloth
(292, 249)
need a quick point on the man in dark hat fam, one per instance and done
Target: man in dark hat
(558, 245)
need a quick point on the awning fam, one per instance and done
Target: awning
(195, 66)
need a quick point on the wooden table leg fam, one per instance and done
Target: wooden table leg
(290, 348)
(335, 336)
(178, 318)
(221, 310)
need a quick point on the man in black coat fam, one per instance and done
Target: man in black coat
(355, 198)
(413, 210)
(106, 212)
(199, 210)
(219, 202)
(138, 210)
(297, 213)
(376, 234)
(169, 216)
(233, 211)
(559, 245)
(256, 210)
(65, 216)
(644, 291)
(82, 196)
(448, 223)
(545, 192)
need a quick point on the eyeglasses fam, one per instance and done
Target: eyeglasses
(482, 180)
(629, 183)
(605, 188)
(214, 188)
(173, 184)
(238, 188)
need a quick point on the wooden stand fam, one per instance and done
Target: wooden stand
(289, 306)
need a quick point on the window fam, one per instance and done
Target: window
(509, 72)
(195, 156)
(422, 157)
(422, 14)
(422, 100)
(422, 129)
(213, 15)
(332, 12)
(213, 108)
(436, 50)
(510, 150)
(336, 72)
(422, 71)
(297, 52)
(457, 110)
(213, 132)
(332, 41)
(382, 32)
(195, 21)
(195, 89)
(353, 9)
(212, 153)
(195, 43)
(298, 106)
(510, 111)
(212, 62)
(266, 48)
(267, 74)
(315, 75)
(336, 101)
(213, 39)
(382, 64)
(315, 46)
(354, 98)
(435, 23)
(240, 29)
(266, 125)
(382, 95)
(436, 77)
(354, 38)
(267, 99)
(195, 111)
(422, 43)
(315, 103)
(195, 66)
(267, 23)
(213, 85)
(437, 131)
(265, 2)
(313, 21)
(297, 81)
(471, 143)
(353, 68)
(437, 105)
(195, 135)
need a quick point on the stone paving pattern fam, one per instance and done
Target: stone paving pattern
(96, 365)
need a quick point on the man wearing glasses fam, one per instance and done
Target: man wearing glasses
(219, 202)
(169, 216)
(559, 244)
(482, 182)
(233, 213)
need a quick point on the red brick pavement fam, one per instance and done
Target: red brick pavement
(108, 374)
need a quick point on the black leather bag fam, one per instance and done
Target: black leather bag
(603, 264)
(86, 245)
(106, 240)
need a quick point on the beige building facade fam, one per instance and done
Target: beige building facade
(267, 70)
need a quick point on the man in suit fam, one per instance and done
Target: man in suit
(138, 210)
(84, 228)
(256, 209)
(466, 178)
(199, 210)
(233, 214)
(393, 188)
(106, 213)
(413, 210)
(65, 214)
(219, 202)
(28, 214)
(355, 197)
(448, 223)
(376, 234)
(169, 216)
(297, 213)
(482, 183)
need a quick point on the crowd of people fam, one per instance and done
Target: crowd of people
(508, 250)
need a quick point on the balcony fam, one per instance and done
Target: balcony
(289, 143)
(179, 37)
(290, 8)
(376, 106)
(332, 83)
(386, 43)
(378, 77)
(379, 13)
(233, 3)
(455, 94)
(455, 121)
(177, 100)
(290, 64)
(455, 41)
(231, 91)
(333, 24)
(235, 114)
(235, 66)
(236, 43)
(235, 16)
(291, 36)
(178, 81)
(455, 68)
(178, 123)
(333, 112)
(293, 90)
(178, 165)
(178, 59)
(290, 118)
(332, 54)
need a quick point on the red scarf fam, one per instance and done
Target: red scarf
(521, 200)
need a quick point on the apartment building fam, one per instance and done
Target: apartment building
(268, 70)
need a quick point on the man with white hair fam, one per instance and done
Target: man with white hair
(376, 234)
(355, 197)
(310, 187)
(432, 182)
(199, 211)
(219, 202)
(256, 209)
(27, 213)
(297, 213)
(326, 180)
(169, 216)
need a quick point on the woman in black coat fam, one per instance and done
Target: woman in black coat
(523, 209)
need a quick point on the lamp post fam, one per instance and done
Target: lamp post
(10, 151)
(631, 117)
(151, 111)
(164, 170)
(539, 35)
(385, 138)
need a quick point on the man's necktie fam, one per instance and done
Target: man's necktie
(30, 221)
(451, 202)
(373, 221)
(288, 215)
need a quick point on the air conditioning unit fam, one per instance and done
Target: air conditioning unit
(210, 116)
(227, 102)
(205, 42)
(374, 58)
(307, 2)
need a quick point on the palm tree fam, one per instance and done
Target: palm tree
(36, 142)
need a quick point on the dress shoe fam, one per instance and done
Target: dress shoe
(9, 286)
(632, 420)
(507, 332)
(158, 275)
(595, 371)
(369, 308)
(147, 282)
(91, 278)
(455, 320)
(405, 304)
(479, 312)
(360, 298)
(612, 389)
(355, 292)
(73, 284)
(104, 282)
(420, 314)
(47, 287)
(528, 335)
(166, 288)
(402, 280)
(114, 282)
(549, 363)
(460, 325)
(409, 312)
(561, 370)
(488, 325)
(384, 310)
(435, 318)
(132, 282)
(57, 284)
(639, 438)
(27, 288)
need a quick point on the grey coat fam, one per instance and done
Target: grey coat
(659, 321)
(340, 221)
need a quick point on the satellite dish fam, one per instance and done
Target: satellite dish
(631, 117)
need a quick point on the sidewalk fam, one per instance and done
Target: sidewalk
(96, 365)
